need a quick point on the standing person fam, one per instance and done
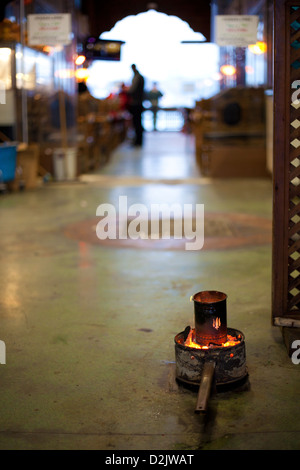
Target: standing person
(154, 95)
(136, 94)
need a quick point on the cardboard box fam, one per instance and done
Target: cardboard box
(26, 168)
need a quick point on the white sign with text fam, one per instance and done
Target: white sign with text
(49, 29)
(236, 30)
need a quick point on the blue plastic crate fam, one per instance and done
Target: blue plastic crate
(8, 161)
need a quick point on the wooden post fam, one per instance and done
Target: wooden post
(286, 168)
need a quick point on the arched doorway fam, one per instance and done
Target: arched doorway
(154, 41)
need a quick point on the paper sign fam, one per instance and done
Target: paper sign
(49, 29)
(236, 30)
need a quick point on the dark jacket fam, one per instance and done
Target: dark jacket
(136, 90)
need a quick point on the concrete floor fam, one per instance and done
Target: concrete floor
(89, 327)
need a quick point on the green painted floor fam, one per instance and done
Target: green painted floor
(89, 327)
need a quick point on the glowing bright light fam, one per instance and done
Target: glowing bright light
(48, 49)
(258, 48)
(228, 70)
(80, 60)
(5, 52)
(82, 74)
(5, 75)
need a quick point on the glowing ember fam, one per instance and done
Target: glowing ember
(190, 343)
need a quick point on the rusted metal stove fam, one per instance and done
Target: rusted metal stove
(210, 352)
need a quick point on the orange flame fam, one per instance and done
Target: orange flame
(190, 343)
(216, 323)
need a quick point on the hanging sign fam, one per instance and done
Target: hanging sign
(102, 49)
(49, 29)
(236, 30)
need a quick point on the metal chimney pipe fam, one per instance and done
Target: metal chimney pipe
(210, 317)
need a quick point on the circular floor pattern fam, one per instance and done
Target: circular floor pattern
(221, 231)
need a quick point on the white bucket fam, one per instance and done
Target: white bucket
(59, 164)
(71, 163)
(65, 164)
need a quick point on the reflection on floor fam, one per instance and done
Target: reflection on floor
(89, 327)
(164, 156)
